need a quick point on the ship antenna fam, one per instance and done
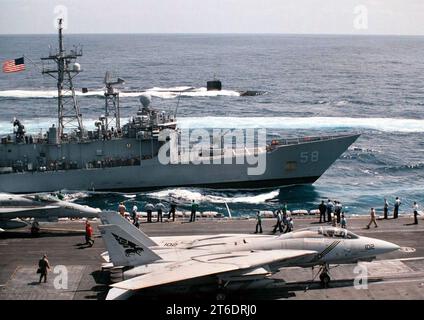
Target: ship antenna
(178, 103)
(65, 70)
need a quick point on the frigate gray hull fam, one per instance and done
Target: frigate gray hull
(285, 165)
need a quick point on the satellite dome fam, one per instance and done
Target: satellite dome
(76, 67)
(145, 100)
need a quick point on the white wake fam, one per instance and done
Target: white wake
(164, 93)
(189, 195)
(329, 123)
(380, 124)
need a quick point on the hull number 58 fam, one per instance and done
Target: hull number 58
(306, 156)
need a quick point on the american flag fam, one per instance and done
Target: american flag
(14, 65)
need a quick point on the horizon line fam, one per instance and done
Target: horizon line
(216, 33)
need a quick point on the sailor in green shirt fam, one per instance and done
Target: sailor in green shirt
(258, 222)
(284, 208)
(194, 207)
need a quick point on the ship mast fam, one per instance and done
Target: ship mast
(112, 103)
(66, 69)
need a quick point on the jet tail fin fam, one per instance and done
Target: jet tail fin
(124, 248)
(112, 217)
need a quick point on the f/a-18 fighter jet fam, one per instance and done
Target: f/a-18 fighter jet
(225, 258)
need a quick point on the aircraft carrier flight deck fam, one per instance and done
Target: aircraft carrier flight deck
(396, 275)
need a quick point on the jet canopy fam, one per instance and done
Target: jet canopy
(321, 232)
(45, 198)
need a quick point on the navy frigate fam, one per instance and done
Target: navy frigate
(112, 157)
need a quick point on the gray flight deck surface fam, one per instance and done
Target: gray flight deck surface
(398, 275)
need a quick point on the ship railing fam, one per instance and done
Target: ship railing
(291, 141)
(249, 151)
(27, 139)
(51, 165)
(221, 153)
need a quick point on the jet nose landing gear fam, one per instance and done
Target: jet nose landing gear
(325, 279)
(324, 276)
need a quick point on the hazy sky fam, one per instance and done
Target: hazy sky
(216, 16)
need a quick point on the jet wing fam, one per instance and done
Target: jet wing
(25, 209)
(206, 265)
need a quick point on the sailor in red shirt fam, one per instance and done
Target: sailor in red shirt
(89, 234)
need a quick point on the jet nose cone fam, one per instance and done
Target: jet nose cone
(386, 246)
(94, 212)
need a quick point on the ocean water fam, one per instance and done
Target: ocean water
(313, 85)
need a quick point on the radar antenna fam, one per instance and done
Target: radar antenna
(112, 103)
(64, 71)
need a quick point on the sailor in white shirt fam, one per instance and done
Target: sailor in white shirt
(396, 208)
(415, 208)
